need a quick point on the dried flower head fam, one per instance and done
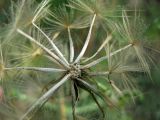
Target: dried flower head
(40, 47)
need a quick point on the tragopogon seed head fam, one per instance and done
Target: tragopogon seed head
(87, 21)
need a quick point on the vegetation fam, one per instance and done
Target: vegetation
(77, 60)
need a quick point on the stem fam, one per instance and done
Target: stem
(105, 57)
(75, 97)
(87, 41)
(71, 46)
(43, 47)
(44, 98)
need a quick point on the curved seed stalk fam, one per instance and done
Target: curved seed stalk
(50, 41)
(87, 41)
(60, 55)
(43, 47)
(71, 46)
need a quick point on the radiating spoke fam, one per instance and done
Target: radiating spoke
(105, 57)
(60, 55)
(71, 45)
(115, 87)
(99, 73)
(100, 48)
(87, 41)
(36, 69)
(53, 60)
(43, 47)
(40, 9)
(50, 41)
(44, 98)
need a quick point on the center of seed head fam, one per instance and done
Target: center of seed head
(75, 70)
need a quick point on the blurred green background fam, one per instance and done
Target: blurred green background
(147, 107)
